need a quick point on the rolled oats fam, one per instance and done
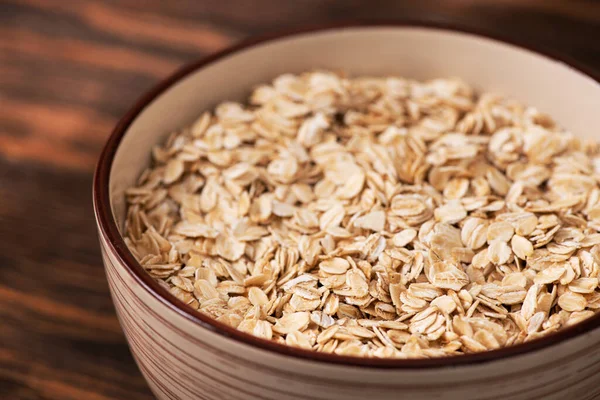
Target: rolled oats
(378, 217)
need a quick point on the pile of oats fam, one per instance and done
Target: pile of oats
(376, 217)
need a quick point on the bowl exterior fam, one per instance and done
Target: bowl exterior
(182, 360)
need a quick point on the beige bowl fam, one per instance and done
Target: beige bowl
(186, 355)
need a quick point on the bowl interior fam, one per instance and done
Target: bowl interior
(568, 95)
(571, 97)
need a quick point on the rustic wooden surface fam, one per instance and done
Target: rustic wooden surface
(68, 70)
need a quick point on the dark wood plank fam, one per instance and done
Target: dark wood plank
(68, 70)
(60, 338)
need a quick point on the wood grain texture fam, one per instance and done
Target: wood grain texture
(68, 70)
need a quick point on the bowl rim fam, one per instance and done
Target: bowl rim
(109, 229)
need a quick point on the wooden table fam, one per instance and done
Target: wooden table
(68, 70)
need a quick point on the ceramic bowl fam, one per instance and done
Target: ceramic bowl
(186, 355)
